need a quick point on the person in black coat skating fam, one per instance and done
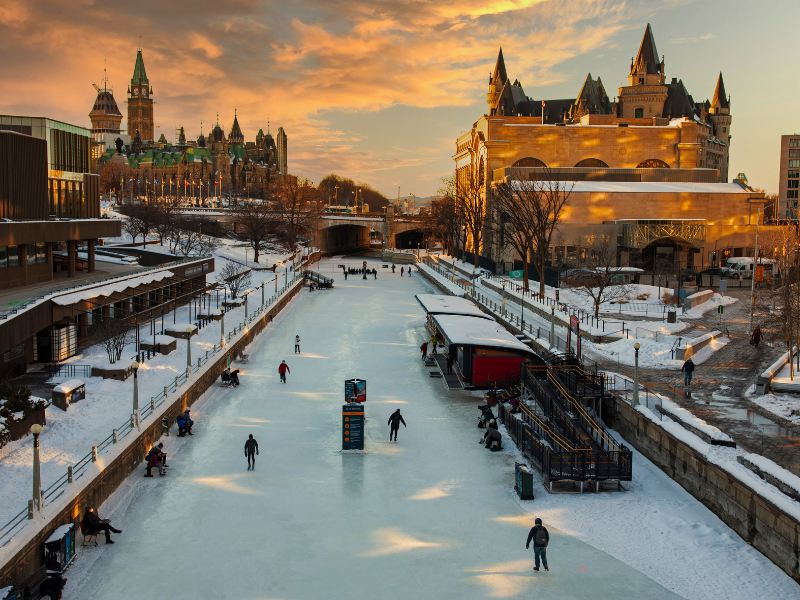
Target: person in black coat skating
(394, 424)
(250, 451)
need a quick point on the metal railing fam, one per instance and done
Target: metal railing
(76, 471)
(68, 370)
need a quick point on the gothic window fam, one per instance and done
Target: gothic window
(639, 113)
(592, 162)
(529, 161)
(652, 163)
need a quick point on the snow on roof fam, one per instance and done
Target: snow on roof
(111, 288)
(68, 386)
(461, 330)
(180, 327)
(656, 187)
(439, 304)
(59, 533)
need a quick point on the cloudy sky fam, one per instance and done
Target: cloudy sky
(378, 90)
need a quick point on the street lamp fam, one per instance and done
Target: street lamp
(755, 262)
(135, 367)
(635, 400)
(245, 307)
(552, 325)
(222, 328)
(188, 348)
(36, 429)
(503, 310)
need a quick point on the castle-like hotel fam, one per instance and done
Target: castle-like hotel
(214, 164)
(652, 162)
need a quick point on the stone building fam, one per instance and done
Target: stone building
(140, 103)
(652, 136)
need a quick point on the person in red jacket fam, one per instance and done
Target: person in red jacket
(283, 369)
(424, 350)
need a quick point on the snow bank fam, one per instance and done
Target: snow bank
(786, 478)
(685, 416)
(445, 283)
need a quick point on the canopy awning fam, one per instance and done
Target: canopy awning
(441, 304)
(459, 330)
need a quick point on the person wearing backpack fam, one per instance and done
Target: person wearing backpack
(540, 538)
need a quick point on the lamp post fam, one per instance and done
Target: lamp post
(635, 400)
(135, 366)
(755, 262)
(245, 307)
(552, 325)
(263, 283)
(276, 285)
(503, 309)
(222, 329)
(36, 429)
(188, 348)
(522, 310)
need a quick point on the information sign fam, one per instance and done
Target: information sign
(352, 427)
(355, 390)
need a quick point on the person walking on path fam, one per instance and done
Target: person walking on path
(375, 273)
(449, 364)
(409, 271)
(392, 269)
(345, 275)
(297, 344)
(394, 424)
(250, 451)
(401, 271)
(424, 349)
(757, 336)
(688, 369)
(540, 538)
(283, 369)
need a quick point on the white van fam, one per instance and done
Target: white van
(743, 267)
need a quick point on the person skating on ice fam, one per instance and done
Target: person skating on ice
(540, 538)
(394, 424)
(297, 344)
(283, 369)
(250, 451)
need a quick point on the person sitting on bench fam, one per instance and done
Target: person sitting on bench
(514, 402)
(235, 378)
(92, 523)
(153, 460)
(52, 586)
(226, 375)
(491, 436)
(189, 422)
(158, 450)
(181, 426)
(493, 424)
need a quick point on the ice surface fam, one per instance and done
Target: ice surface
(432, 516)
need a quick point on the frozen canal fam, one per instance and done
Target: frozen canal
(432, 516)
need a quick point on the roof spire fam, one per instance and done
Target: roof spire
(500, 76)
(647, 59)
(139, 74)
(720, 97)
(201, 126)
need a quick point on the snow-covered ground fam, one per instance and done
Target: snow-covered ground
(432, 516)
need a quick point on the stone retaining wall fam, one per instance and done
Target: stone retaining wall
(28, 559)
(759, 522)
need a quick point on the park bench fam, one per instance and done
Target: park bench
(30, 587)
(243, 358)
(89, 535)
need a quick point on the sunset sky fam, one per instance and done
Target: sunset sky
(378, 91)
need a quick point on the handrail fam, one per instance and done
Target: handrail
(10, 529)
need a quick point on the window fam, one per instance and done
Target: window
(639, 113)
(30, 251)
(652, 163)
(529, 162)
(793, 183)
(592, 162)
(794, 174)
(795, 143)
(794, 153)
(792, 193)
(3, 257)
(13, 256)
(794, 164)
(41, 252)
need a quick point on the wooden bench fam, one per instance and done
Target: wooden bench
(89, 536)
(30, 587)
(243, 358)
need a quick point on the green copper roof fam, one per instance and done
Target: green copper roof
(238, 152)
(139, 74)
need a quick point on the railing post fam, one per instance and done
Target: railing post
(94, 453)
(114, 437)
(30, 509)
(152, 403)
(69, 470)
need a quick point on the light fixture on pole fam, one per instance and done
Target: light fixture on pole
(552, 325)
(188, 348)
(36, 429)
(263, 283)
(503, 310)
(135, 367)
(245, 307)
(635, 399)
(755, 262)
(276, 285)
(222, 328)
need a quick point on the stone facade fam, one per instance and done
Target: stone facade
(140, 103)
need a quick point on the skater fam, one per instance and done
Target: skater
(250, 451)
(394, 424)
(153, 460)
(540, 538)
(424, 349)
(401, 271)
(449, 365)
(235, 378)
(688, 369)
(297, 344)
(181, 426)
(375, 273)
(226, 376)
(345, 275)
(392, 269)
(491, 436)
(409, 271)
(283, 369)
(757, 336)
(93, 523)
(434, 342)
(158, 450)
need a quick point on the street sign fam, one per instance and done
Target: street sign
(355, 390)
(352, 427)
(515, 274)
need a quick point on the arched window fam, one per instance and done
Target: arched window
(652, 163)
(592, 162)
(529, 161)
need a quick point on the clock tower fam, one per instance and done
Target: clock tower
(140, 103)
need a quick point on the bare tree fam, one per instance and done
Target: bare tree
(256, 222)
(513, 220)
(114, 335)
(470, 200)
(598, 280)
(236, 277)
(296, 208)
(142, 219)
(132, 226)
(165, 216)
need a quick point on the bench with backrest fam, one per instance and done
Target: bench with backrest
(89, 535)
(30, 587)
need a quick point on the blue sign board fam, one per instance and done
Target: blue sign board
(352, 427)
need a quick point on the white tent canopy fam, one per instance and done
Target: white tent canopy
(440, 304)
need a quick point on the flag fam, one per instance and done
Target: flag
(542, 103)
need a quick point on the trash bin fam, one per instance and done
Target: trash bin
(672, 316)
(59, 549)
(524, 486)
(68, 393)
(491, 398)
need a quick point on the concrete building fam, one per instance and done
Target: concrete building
(789, 177)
